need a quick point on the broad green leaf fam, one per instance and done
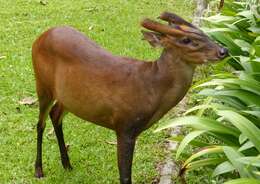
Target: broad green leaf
(203, 163)
(247, 13)
(213, 106)
(216, 82)
(233, 155)
(250, 99)
(244, 62)
(245, 46)
(257, 59)
(250, 76)
(254, 161)
(210, 30)
(201, 111)
(187, 139)
(244, 125)
(240, 33)
(204, 151)
(242, 138)
(229, 42)
(255, 30)
(219, 18)
(227, 139)
(231, 101)
(257, 173)
(243, 181)
(255, 65)
(200, 123)
(224, 75)
(249, 85)
(195, 143)
(254, 113)
(198, 107)
(223, 168)
(252, 82)
(233, 6)
(257, 40)
(246, 146)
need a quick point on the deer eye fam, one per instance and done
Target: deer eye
(186, 40)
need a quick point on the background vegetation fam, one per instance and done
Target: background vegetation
(114, 24)
(228, 117)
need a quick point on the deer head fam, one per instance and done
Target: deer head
(182, 39)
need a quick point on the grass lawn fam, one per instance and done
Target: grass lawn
(114, 24)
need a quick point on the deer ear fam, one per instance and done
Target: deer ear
(155, 39)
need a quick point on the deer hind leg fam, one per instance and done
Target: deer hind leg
(45, 102)
(56, 115)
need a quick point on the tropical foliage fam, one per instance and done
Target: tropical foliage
(231, 112)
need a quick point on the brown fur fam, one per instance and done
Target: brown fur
(123, 94)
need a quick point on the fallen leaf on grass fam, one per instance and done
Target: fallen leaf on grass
(2, 57)
(111, 142)
(90, 28)
(42, 2)
(51, 132)
(28, 101)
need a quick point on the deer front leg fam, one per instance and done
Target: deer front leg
(125, 150)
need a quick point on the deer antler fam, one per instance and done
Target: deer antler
(172, 18)
(170, 30)
(158, 27)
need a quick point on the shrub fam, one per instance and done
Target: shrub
(231, 112)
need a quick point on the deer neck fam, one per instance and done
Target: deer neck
(172, 68)
(174, 77)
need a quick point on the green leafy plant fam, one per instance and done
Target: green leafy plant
(231, 112)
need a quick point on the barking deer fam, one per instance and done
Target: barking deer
(74, 74)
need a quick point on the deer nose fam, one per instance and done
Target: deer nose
(223, 52)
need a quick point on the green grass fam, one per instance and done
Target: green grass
(114, 24)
